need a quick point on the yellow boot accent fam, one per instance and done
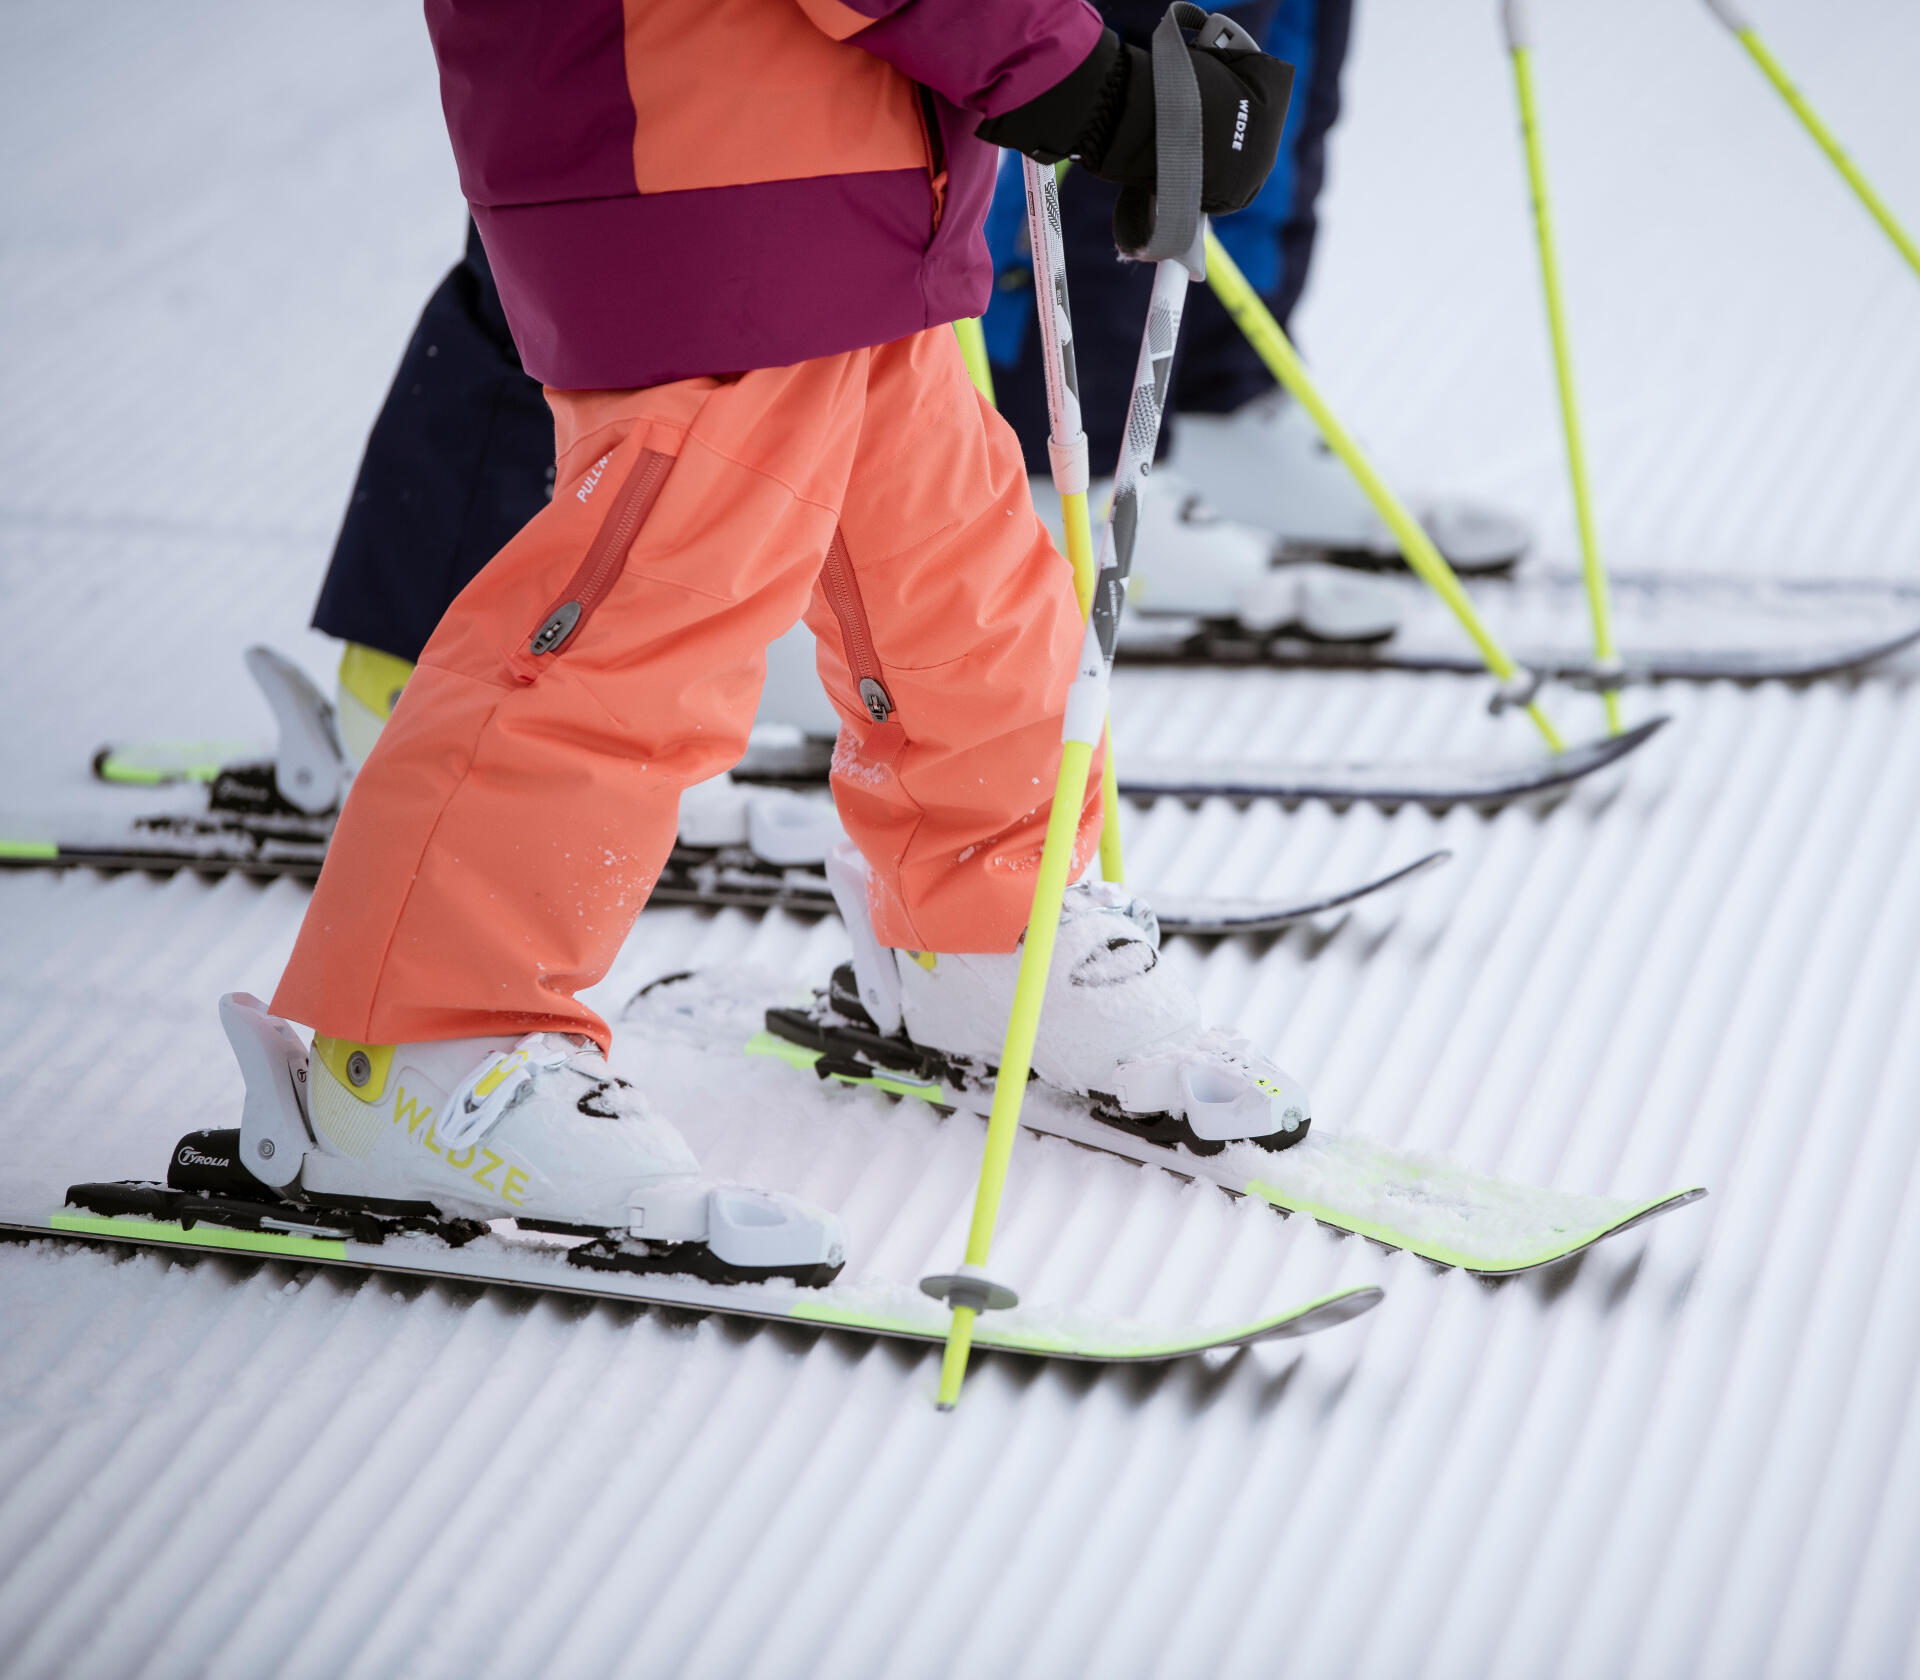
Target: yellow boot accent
(373, 678)
(491, 1082)
(369, 688)
(345, 1060)
(926, 959)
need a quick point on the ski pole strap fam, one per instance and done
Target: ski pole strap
(1164, 223)
(1145, 409)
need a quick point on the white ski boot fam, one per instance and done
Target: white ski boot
(537, 1129)
(1118, 1027)
(779, 827)
(1189, 561)
(1267, 465)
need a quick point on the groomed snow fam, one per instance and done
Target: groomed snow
(1694, 1452)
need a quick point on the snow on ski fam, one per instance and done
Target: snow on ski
(1426, 1205)
(1679, 626)
(1401, 1199)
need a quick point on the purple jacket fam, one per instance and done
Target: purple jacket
(667, 191)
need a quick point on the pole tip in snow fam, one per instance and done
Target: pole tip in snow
(953, 1363)
(970, 1292)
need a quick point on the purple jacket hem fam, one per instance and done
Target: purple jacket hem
(619, 293)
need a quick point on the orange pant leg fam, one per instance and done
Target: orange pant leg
(505, 832)
(974, 630)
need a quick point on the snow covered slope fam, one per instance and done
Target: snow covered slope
(1694, 1452)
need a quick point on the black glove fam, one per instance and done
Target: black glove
(1101, 116)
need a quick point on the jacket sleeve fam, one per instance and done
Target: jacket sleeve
(984, 55)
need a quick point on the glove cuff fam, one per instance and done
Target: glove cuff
(1081, 114)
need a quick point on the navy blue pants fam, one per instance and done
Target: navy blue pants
(460, 458)
(461, 455)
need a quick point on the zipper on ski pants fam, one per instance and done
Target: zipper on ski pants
(588, 586)
(843, 595)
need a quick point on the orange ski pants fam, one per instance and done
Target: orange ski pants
(505, 832)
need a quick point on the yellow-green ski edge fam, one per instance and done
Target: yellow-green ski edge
(1440, 1255)
(799, 1056)
(275, 1244)
(1322, 1313)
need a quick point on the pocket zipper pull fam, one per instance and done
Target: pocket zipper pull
(557, 628)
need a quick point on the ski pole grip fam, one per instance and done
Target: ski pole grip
(1165, 223)
(1516, 22)
(1732, 14)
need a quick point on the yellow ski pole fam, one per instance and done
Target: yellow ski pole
(1730, 13)
(1517, 686)
(973, 351)
(969, 1291)
(1517, 24)
(1066, 438)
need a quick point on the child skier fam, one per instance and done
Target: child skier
(730, 240)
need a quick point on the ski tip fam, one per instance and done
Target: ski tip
(1597, 754)
(1612, 747)
(1666, 1204)
(1340, 1308)
(1893, 645)
(1640, 1215)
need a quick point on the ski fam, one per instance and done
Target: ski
(739, 878)
(280, 1186)
(508, 1255)
(1485, 782)
(232, 808)
(1426, 1205)
(1670, 627)
(274, 815)
(775, 757)
(703, 877)
(1443, 1212)
(1437, 783)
